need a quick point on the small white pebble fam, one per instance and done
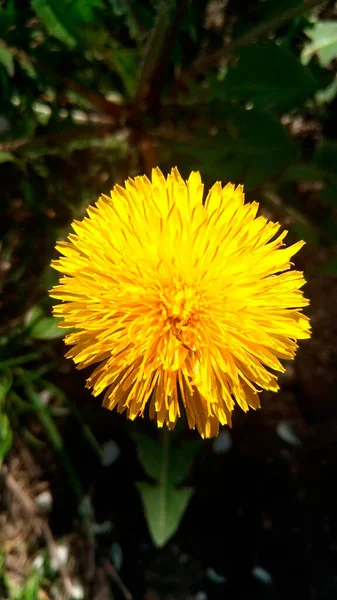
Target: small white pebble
(101, 528)
(214, 576)
(110, 453)
(38, 562)
(201, 596)
(261, 574)
(285, 431)
(44, 500)
(77, 590)
(60, 556)
(116, 555)
(45, 397)
(222, 443)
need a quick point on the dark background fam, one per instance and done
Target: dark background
(94, 91)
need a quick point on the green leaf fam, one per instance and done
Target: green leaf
(177, 462)
(52, 24)
(119, 7)
(323, 36)
(6, 59)
(126, 64)
(129, 12)
(328, 93)
(55, 438)
(251, 148)
(164, 508)
(70, 21)
(30, 589)
(6, 157)
(270, 77)
(149, 453)
(27, 65)
(6, 380)
(6, 436)
(8, 17)
(163, 504)
(181, 460)
(42, 327)
(303, 172)
(48, 329)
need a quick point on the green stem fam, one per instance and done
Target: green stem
(53, 433)
(154, 45)
(19, 360)
(163, 475)
(86, 431)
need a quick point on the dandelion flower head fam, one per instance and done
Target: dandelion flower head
(182, 306)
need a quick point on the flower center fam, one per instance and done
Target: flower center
(181, 308)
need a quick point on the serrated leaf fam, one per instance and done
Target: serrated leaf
(6, 59)
(164, 508)
(250, 148)
(270, 77)
(6, 436)
(164, 505)
(323, 36)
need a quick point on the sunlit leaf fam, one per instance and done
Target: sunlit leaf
(126, 64)
(6, 59)
(6, 157)
(53, 25)
(68, 21)
(323, 36)
(42, 327)
(6, 436)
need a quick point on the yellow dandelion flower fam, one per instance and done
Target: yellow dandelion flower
(180, 303)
